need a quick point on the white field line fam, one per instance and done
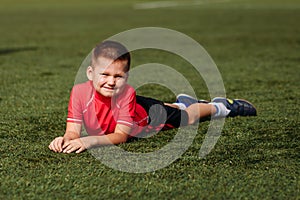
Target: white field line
(167, 4)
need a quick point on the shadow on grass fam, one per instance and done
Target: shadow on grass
(5, 51)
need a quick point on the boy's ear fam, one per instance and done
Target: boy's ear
(89, 72)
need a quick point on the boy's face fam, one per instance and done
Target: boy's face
(109, 78)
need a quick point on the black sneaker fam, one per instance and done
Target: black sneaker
(237, 107)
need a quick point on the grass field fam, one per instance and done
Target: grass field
(255, 45)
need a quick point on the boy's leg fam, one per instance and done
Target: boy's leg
(199, 111)
(224, 107)
(219, 107)
(163, 115)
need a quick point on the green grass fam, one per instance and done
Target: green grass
(255, 45)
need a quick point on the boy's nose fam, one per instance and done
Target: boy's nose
(111, 80)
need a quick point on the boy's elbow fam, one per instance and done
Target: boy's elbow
(120, 138)
(123, 138)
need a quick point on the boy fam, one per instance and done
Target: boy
(111, 112)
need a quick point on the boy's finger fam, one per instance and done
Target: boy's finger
(52, 146)
(60, 143)
(55, 145)
(66, 143)
(69, 149)
(80, 150)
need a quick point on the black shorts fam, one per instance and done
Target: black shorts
(162, 117)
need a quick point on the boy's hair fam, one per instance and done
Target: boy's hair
(112, 50)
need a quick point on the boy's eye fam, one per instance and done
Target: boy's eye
(117, 76)
(103, 74)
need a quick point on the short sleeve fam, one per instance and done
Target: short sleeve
(127, 106)
(75, 111)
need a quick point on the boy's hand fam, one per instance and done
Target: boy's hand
(77, 145)
(61, 145)
(57, 144)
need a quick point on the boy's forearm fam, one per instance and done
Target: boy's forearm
(113, 138)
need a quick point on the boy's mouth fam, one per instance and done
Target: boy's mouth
(109, 88)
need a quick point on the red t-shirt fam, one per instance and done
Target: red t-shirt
(100, 114)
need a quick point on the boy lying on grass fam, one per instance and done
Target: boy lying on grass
(111, 112)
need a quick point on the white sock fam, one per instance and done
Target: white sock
(222, 111)
(180, 105)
